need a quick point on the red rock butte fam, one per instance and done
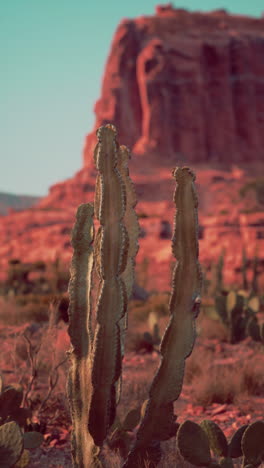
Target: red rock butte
(182, 89)
(186, 86)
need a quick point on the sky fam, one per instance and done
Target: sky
(52, 58)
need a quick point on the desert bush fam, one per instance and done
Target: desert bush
(212, 329)
(197, 364)
(222, 383)
(215, 385)
(252, 376)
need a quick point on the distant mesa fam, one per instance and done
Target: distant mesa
(185, 83)
(182, 89)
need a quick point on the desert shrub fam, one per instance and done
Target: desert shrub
(220, 385)
(252, 376)
(196, 363)
(212, 329)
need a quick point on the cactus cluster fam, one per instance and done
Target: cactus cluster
(97, 330)
(237, 310)
(195, 443)
(15, 438)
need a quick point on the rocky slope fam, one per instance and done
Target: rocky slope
(181, 88)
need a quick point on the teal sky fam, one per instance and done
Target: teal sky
(52, 57)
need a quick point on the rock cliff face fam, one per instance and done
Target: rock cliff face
(186, 87)
(180, 88)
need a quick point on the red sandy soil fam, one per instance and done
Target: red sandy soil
(137, 369)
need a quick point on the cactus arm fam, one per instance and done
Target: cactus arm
(132, 227)
(79, 379)
(112, 248)
(130, 219)
(178, 340)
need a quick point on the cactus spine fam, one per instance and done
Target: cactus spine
(94, 381)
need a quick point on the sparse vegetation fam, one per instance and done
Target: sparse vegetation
(217, 376)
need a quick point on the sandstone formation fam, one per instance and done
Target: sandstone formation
(181, 88)
(185, 87)
(226, 220)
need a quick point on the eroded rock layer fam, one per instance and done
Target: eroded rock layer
(186, 86)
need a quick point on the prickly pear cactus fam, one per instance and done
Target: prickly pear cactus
(194, 441)
(11, 444)
(237, 311)
(253, 329)
(193, 444)
(234, 446)
(216, 437)
(121, 436)
(252, 443)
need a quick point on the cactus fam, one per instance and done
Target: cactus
(13, 424)
(14, 444)
(252, 444)
(237, 310)
(244, 269)
(94, 383)
(121, 436)
(97, 343)
(234, 447)
(254, 283)
(219, 271)
(11, 444)
(216, 437)
(253, 329)
(194, 442)
(178, 340)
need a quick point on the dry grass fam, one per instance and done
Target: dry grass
(212, 329)
(217, 386)
(207, 382)
(252, 376)
(212, 383)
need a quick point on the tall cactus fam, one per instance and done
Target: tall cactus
(95, 375)
(159, 421)
(97, 336)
